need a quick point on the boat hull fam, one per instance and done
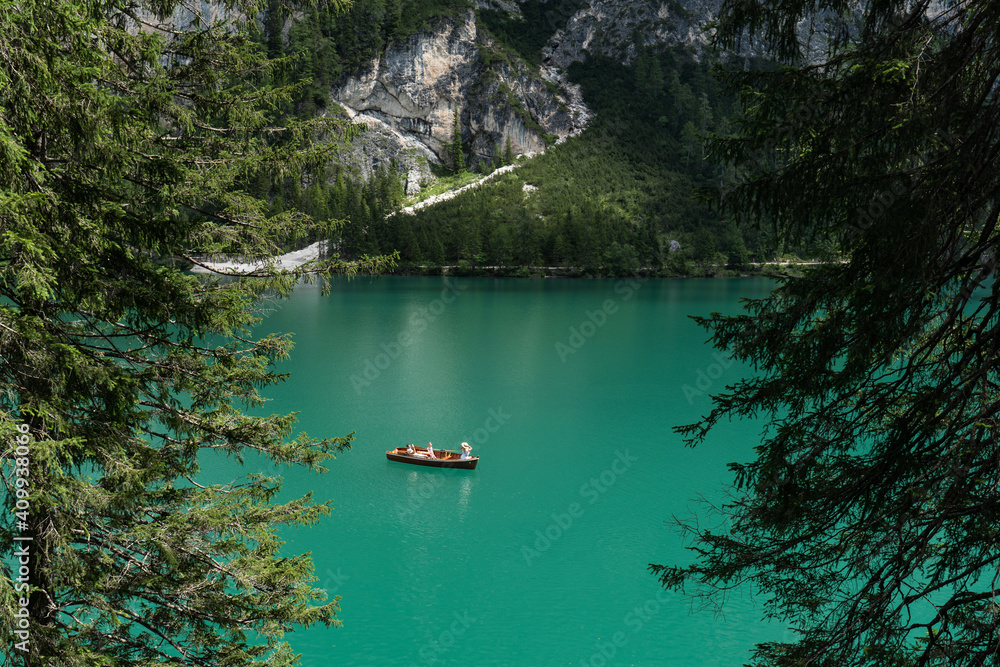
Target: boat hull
(444, 459)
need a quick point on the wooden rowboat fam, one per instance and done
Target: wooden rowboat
(443, 458)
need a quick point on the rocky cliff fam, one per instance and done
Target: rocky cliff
(410, 95)
(610, 27)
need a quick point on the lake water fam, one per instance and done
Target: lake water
(567, 390)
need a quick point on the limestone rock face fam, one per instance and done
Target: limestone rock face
(609, 27)
(410, 95)
(202, 12)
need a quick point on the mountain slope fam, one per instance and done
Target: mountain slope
(477, 88)
(417, 89)
(615, 200)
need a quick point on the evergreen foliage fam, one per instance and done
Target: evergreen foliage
(868, 520)
(457, 150)
(121, 149)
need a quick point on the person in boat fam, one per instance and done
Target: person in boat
(430, 451)
(410, 450)
(466, 449)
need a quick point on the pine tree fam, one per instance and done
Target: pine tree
(122, 148)
(435, 248)
(457, 151)
(508, 152)
(868, 518)
(656, 81)
(689, 139)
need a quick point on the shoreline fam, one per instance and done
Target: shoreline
(766, 270)
(312, 252)
(290, 260)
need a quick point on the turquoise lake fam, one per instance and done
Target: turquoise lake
(568, 391)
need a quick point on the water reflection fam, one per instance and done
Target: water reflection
(432, 500)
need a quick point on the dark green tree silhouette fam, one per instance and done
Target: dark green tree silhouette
(457, 150)
(869, 519)
(125, 140)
